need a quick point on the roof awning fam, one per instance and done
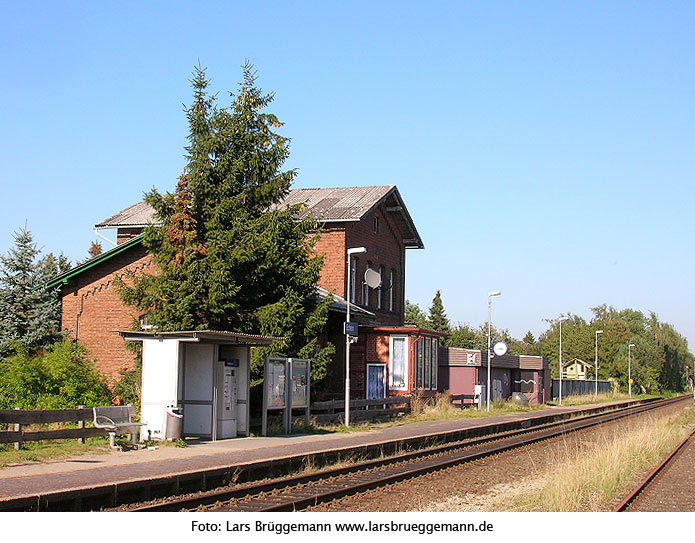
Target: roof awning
(215, 336)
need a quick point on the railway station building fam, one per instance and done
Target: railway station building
(373, 217)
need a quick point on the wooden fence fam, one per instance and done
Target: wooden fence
(18, 420)
(360, 410)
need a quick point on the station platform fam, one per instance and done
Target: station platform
(113, 468)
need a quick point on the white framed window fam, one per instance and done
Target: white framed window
(391, 288)
(380, 289)
(398, 362)
(428, 365)
(435, 362)
(365, 287)
(375, 225)
(353, 279)
(144, 323)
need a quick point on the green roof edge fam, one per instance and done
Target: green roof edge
(64, 277)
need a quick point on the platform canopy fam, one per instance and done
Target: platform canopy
(216, 336)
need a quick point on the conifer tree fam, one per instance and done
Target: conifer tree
(231, 258)
(438, 320)
(29, 311)
(415, 315)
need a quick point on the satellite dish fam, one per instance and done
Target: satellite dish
(372, 278)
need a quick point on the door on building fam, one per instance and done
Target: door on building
(210, 390)
(376, 381)
(496, 389)
(198, 390)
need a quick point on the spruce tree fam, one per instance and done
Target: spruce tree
(29, 311)
(529, 338)
(231, 258)
(438, 320)
(415, 315)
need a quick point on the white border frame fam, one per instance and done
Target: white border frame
(406, 364)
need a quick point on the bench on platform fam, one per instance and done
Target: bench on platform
(117, 419)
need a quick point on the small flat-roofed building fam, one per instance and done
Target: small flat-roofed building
(461, 369)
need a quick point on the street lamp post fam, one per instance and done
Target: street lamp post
(629, 369)
(560, 358)
(489, 315)
(348, 338)
(596, 361)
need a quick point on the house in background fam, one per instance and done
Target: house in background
(373, 217)
(577, 369)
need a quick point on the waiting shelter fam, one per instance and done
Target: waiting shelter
(460, 370)
(205, 374)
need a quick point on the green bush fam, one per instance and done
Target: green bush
(59, 377)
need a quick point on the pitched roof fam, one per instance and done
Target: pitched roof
(137, 215)
(342, 204)
(65, 277)
(337, 204)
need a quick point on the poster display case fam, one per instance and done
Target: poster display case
(286, 386)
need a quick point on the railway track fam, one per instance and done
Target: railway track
(298, 492)
(669, 486)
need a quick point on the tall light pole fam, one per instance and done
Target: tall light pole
(629, 369)
(489, 318)
(348, 338)
(560, 358)
(596, 361)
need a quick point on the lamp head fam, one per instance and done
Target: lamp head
(599, 332)
(356, 250)
(494, 293)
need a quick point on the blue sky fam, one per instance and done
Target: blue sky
(544, 149)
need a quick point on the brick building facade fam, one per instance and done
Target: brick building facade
(370, 217)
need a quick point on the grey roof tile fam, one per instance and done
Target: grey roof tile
(340, 204)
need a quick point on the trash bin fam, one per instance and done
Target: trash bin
(174, 424)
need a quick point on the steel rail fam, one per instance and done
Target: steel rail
(649, 479)
(268, 490)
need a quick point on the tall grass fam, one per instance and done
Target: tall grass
(592, 479)
(583, 399)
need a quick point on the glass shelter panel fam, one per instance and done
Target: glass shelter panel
(300, 378)
(275, 380)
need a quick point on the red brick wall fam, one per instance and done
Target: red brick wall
(93, 311)
(126, 234)
(383, 249)
(331, 245)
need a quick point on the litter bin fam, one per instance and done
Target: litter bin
(174, 423)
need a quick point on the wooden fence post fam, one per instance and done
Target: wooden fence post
(80, 425)
(18, 428)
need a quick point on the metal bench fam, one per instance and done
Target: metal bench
(117, 419)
